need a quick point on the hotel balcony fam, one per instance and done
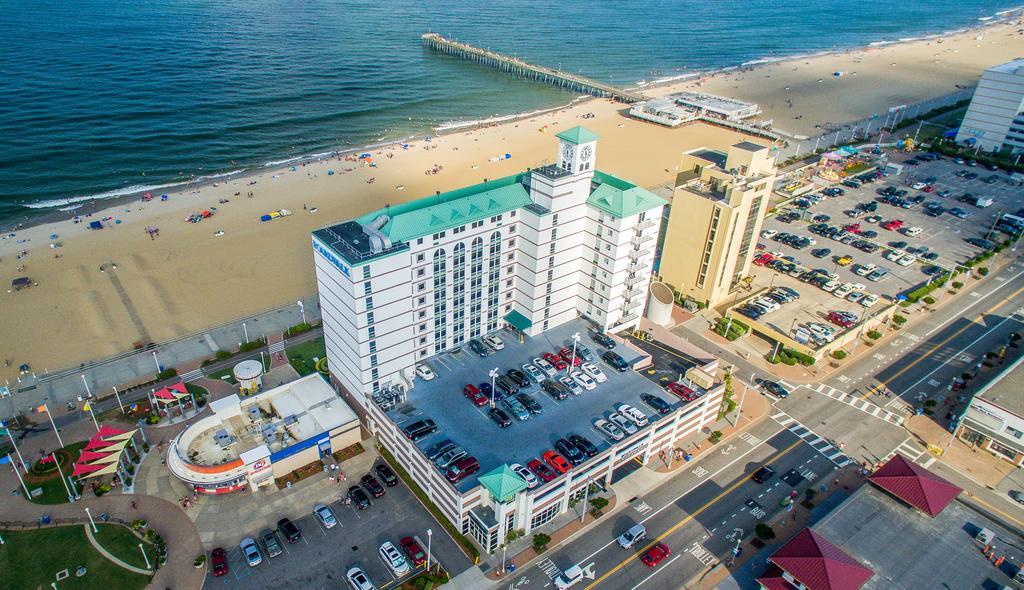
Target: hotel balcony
(629, 318)
(629, 307)
(637, 254)
(646, 224)
(642, 239)
(635, 280)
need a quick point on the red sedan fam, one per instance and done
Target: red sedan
(567, 356)
(541, 470)
(473, 394)
(556, 461)
(893, 224)
(655, 555)
(682, 391)
(219, 559)
(413, 551)
(840, 320)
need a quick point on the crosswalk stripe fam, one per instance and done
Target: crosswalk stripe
(819, 444)
(856, 403)
(192, 375)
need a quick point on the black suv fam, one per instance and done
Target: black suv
(604, 340)
(656, 403)
(420, 429)
(585, 446)
(532, 406)
(518, 377)
(506, 384)
(359, 497)
(372, 485)
(774, 388)
(386, 475)
(763, 474)
(289, 530)
(555, 389)
(479, 348)
(570, 452)
(615, 361)
(500, 416)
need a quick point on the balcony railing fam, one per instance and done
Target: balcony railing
(646, 224)
(635, 280)
(642, 239)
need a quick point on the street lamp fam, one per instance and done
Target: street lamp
(493, 373)
(302, 310)
(575, 341)
(91, 521)
(156, 362)
(430, 533)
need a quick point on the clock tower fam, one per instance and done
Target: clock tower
(577, 150)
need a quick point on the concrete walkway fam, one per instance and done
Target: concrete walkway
(95, 544)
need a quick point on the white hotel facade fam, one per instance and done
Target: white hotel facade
(533, 250)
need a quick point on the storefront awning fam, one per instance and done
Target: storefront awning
(518, 320)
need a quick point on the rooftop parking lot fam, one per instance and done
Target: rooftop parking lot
(942, 237)
(458, 419)
(321, 558)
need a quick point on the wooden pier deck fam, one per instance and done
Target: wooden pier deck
(525, 69)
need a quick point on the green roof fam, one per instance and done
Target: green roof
(578, 135)
(518, 320)
(430, 215)
(502, 483)
(621, 198)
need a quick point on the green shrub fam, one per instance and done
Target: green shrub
(983, 271)
(839, 354)
(597, 506)
(930, 403)
(874, 334)
(898, 319)
(221, 355)
(804, 359)
(715, 436)
(166, 374)
(929, 300)
(764, 532)
(788, 360)
(299, 328)
(957, 285)
(540, 542)
(252, 345)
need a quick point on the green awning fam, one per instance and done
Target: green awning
(502, 483)
(518, 320)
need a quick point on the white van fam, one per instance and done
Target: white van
(629, 538)
(569, 578)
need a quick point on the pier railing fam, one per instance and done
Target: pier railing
(522, 68)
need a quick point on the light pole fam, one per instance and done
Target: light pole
(71, 498)
(245, 331)
(575, 341)
(88, 406)
(503, 548)
(302, 310)
(493, 373)
(117, 396)
(15, 445)
(91, 521)
(430, 533)
(739, 406)
(145, 557)
(156, 361)
(586, 498)
(88, 392)
(18, 473)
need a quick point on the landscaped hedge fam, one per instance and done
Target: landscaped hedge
(252, 345)
(790, 357)
(922, 291)
(736, 328)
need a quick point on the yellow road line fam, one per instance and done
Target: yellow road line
(691, 516)
(994, 509)
(911, 365)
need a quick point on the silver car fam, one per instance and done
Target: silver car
(251, 552)
(325, 516)
(622, 422)
(610, 430)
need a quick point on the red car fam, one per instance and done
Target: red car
(763, 259)
(853, 228)
(893, 224)
(556, 461)
(462, 469)
(541, 470)
(655, 555)
(220, 561)
(929, 189)
(567, 356)
(413, 551)
(840, 319)
(682, 391)
(473, 394)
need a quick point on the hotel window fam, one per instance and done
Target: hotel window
(369, 303)
(554, 233)
(423, 340)
(421, 301)
(366, 272)
(371, 332)
(419, 272)
(423, 353)
(551, 261)
(511, 229)
(554, 219)
(373, 360)
(551, 274)
(422, 313)
(419, 242)
(547, 300)
(374, 375)
(369, 317)
(421, 287)
(512, 243)
(551, 248)
(508, 308)
(373, 346)
(511, 213)
(511, 256)
(509, 269)
(545, 326)
(367, 288)
(508, 296)
(508, 283)
(420, 257)
(423, 327)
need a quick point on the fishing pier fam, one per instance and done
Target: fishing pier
(525, 69)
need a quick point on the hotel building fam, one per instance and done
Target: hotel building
(995, 118)
(717, 209)
(533, 250)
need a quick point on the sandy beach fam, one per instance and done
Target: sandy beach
(189, 277)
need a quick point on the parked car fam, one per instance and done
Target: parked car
(583, 444)
(534, 373)
(634, 415)
(596, 373)
(359, 497)
(518, 377)
(542, 471)
(386, 475)
(528, 476)
(622, 422)
(556, 461)
(555, 389)
(532, 406)
(545, 366)
(251, 552)
(610, 430)
(583, 380)
(494, 342)
(616, 361)
(325, 515)
(440, 448)
(270, 543)
(462, 469)
(656, 403)
(570, 384)
(372, 485)
(473, 394)
(570, 452)
(413, 551)
(500, 417)
(567, 355)
(291, 532)
(604, 340)
(420, 429)
(219, 559)
(478, 347)
(424, 372)
(358, 580)
(516, 408)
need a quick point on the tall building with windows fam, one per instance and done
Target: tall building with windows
(995, 119)
(717, 208)
(533, 250)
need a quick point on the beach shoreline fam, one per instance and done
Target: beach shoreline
(189, 277)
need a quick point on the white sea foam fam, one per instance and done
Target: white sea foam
(128, 190)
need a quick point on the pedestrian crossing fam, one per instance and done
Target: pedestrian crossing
(852, 401)
(276, 347)
(193, 375)
(817, 443)
(906, 448)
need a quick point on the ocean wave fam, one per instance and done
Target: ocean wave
(452, 125)
(128, 190)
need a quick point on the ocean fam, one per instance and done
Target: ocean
(103, 97)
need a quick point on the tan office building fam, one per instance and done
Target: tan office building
(718, 205)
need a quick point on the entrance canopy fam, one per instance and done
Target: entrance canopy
(518, 321)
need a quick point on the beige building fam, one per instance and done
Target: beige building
(718, 205)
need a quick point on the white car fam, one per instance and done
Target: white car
(865, 269)
(533, 372)
(822, 332)
(571, 384)
(906, 260)
(358, 580)
(894, 255)
(393, 559)
(583, 379)
(918, 186)
(325, 516)
(610, 430)
(494, 342)
(855, 297)
(594, 371)
(569, 578)
(527, 475)
(768, 233)
(859, 286)
(767, 303)
(424, 372)
(251, 552)
(545, 366)
(869, 300)
(843, 290)
(830, 286)
(622, 422)
(913, 232)
(635, 415)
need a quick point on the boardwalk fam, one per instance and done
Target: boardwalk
(519, 67)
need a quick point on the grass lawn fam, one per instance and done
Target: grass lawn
(301, 355)
(53, 489)
(122, 544)
(196, 390)
(223, 375)
(32, 558)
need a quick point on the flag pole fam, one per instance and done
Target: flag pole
(54, 424)
(16, 472)
(71, 498)
(93, 414)
(16, 451)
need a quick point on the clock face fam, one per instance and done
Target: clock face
(586, 153)
(567, 152)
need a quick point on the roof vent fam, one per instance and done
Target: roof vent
(378, 241)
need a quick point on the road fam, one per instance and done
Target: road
(696, 514)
